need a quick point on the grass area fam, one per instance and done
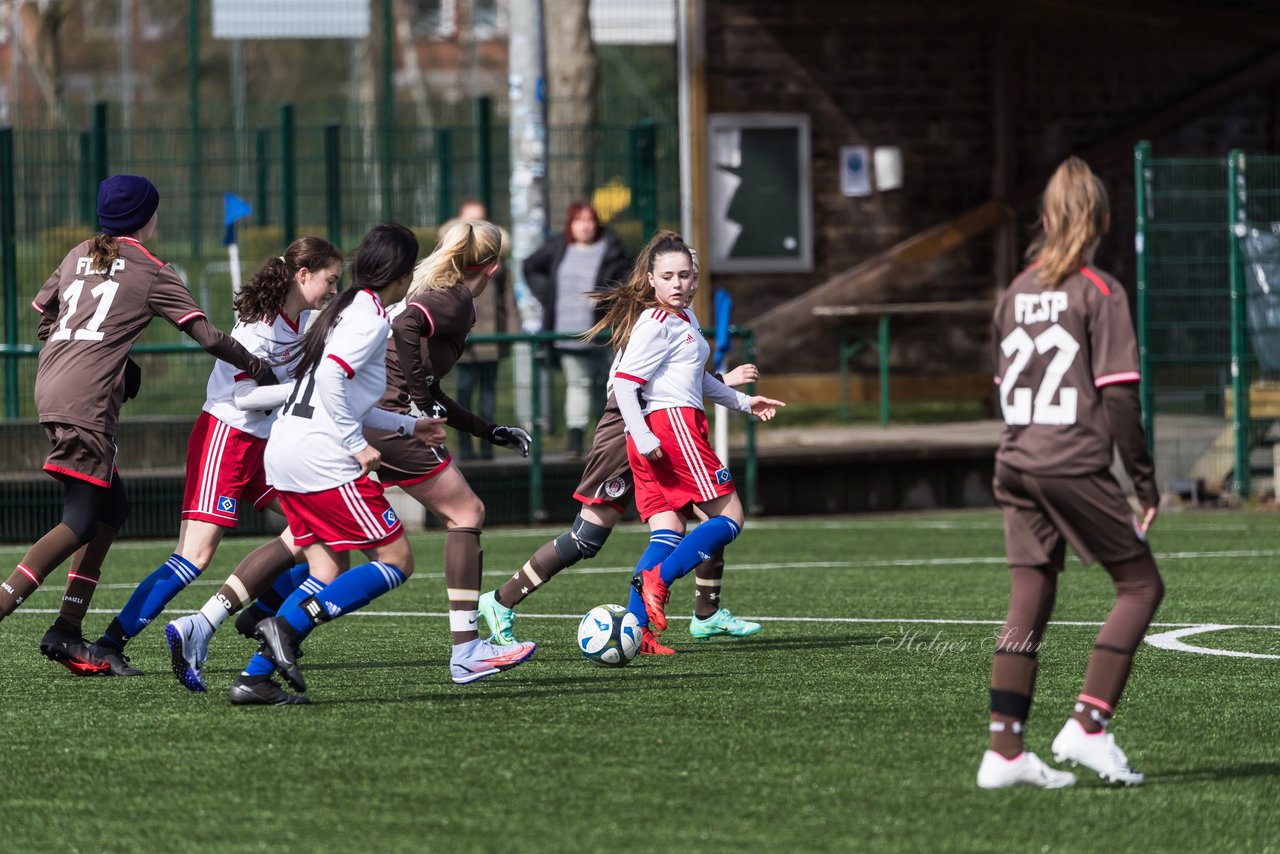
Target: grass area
(854, 722)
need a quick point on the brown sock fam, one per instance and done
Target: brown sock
(706, 595)
(82, 580)
(1013, 682)
(535, 572)
(255, 575)
(463, 571)
(48, 553)
(1138, 594)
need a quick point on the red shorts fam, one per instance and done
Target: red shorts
(689, 471)
(352, 516)
(223, 464)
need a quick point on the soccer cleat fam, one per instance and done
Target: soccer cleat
(653, 590)
(117, 661)
(188, 639)
(500, 619)
(70, 650)
(486, 658)
(248, 619)
(248, 691)
(721, 623)
(650, 645)
(1025, 769)
(1096, 751)
(281, 649)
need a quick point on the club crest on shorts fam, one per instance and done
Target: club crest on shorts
(615, 487)
(389, 517)
(226, 504)
(723, 476)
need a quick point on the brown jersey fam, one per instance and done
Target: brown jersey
(90, 319)
(428, 337)
(1054, 350)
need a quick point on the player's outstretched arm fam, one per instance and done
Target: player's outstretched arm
(765, 408)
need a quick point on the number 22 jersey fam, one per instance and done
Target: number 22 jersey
(1055, 350)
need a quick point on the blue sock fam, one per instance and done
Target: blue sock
(349, 592)
(285, 586)
(661, 544)
(149, 599)
(259, 665)
(699, 545)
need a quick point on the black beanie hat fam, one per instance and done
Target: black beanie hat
(126, 203)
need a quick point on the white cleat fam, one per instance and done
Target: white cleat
(1096, 751)
(188, 639)
(1025, 769)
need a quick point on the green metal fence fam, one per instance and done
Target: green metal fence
(1208, 262)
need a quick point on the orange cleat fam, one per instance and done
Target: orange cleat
(650, 645)
(653, 590)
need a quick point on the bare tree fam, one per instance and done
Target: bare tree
(41, 48)
(573, 84)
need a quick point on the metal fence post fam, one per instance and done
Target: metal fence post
(288, 201)
(388, 112)
(193, 97)
(444, 175)
(333, 181)
(484, 151)
(99, 132)
(537, 513)
(753, 491)
(88, 192)
(9, 270)
(644, 170)
(1141, 177)
(260, 175)
(1236, 215)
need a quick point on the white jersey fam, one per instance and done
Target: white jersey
(313, 441)
(275, 342)
(667, 356)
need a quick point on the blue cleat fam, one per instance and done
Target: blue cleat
(188, 639)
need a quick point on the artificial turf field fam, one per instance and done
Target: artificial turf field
(855, 721)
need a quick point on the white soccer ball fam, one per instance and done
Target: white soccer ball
(609, 636)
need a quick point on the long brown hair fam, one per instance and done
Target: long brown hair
(104, 249)
(262, 297)
(623, 303)
(465, 248)
(384, 257)
(1074, 211)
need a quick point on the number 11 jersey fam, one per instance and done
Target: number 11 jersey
(1055, 349)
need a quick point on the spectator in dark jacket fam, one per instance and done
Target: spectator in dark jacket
(561, 273)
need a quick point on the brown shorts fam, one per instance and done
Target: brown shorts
(406, 460)
(80, 453)
(607, 478)
(1090, 512)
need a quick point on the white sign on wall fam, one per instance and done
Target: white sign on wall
(855, 170)
(291, 19)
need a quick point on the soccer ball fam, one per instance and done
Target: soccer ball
(609, 636)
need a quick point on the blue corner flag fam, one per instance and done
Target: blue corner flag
(233, 208)
(723, 307)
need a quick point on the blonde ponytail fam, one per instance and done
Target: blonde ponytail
(1074, 211)
(465, 248)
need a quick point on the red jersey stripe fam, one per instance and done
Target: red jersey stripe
(620, 375)
(37, 306)
(431, 321)
(240, 376)
(1122, 377)
(135, 242)
(345, 367)
(189, 316)
(287, 322)
(1097, 281)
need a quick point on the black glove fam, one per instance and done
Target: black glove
(132, 378)
(265, 375)
(511, 437)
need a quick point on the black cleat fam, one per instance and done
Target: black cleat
(248, 619)
(117, 661)
(70, 650)
(280, 647)
(249, 691)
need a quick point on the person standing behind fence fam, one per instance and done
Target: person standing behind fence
(477, 367)
(561, 274)
(1067, 373)
(93, 308)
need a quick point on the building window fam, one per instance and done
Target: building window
(158, 19)
(433, 19)
(488, 20)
